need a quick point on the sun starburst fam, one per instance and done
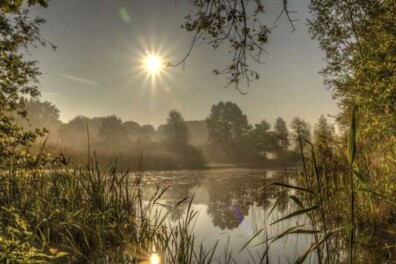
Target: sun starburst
(153, 64)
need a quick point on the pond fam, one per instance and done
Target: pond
(231, 208)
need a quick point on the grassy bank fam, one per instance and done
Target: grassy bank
(348, 200)
(50, 212)
(87, 214)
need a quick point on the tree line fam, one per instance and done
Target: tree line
(225, 137)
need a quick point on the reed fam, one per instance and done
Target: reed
(56, 213)
(82, 214)
(329, 201)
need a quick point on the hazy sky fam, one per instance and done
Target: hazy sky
(96, 70)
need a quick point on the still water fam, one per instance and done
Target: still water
(231, 209)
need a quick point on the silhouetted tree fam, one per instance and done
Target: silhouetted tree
(176, 138)
(112, 134)
(263, 139)
(176, 131)
(300, 128)
(281, 134)
(229, 132)
(132, 128)
(324, 138)
(199, 132)
(74, 133)
(148, 131)
(41, 115)
(226, 122)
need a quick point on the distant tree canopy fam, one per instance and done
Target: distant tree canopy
(352, 72)
(74, 133)
(40, 115)
(176, 131)
(177, 143)
(226, 123)
(112, 133)
(281, 134)
(233, 139)
(132, 127)
(301, 129)
(263, 139)
(198, 131)
(228, 130)
(324, 141)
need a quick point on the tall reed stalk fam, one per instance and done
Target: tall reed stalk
(352, 151)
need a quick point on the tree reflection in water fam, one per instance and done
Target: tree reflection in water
(228, 193)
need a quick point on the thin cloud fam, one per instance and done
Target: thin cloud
(80, 80)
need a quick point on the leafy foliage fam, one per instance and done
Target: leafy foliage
(324, 141)
(238, 23)
(264, 139)
(15, 240)
(226, 122)
(302, 129)
(281, 134)
(229, 132)
(14, 6)
(18, 78)
(176, 131)
(359, 40)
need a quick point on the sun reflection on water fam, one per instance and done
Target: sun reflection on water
(154, 259)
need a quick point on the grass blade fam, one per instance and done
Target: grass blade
(297, 188)
(296, 213)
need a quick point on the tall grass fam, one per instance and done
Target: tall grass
(352, 151)
(50, 212)
(59, 214)
(328, 199)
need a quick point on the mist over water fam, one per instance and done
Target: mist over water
(150, 161)
(225, 137)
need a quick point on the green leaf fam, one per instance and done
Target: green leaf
(360, 178)
(284, 233)
(61, 254)
(296, 213)
(275, 204)
(297, 201)
(300, 189)
(250, 240)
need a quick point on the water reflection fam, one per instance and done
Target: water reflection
(230, 199)
(231, 209)
(227, 193)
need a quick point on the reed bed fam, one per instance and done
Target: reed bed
(56, 214)
(52, 213)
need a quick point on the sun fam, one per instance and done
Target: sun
(153, 64)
